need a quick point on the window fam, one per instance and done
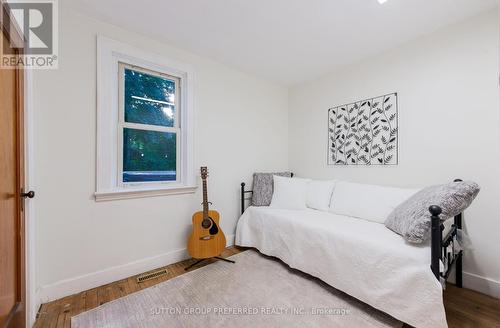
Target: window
(149, 126)
(144, 124)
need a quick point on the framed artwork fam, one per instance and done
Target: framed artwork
(364, 132)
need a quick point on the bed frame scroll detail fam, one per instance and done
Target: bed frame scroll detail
(440, 246)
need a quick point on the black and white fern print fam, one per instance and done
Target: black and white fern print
(364, 132)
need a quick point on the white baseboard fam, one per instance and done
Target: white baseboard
(481, 284)
(78, 284)
(87, 281)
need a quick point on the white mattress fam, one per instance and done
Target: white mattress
(362, 258)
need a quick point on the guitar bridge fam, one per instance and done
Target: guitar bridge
(206, 237)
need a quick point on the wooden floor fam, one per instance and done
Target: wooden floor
(464, 308)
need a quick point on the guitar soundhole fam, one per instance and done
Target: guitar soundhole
(206, 223)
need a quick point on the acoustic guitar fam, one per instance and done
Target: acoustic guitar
(207, 239)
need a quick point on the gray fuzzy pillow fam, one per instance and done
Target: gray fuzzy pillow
(263, 187)
(412, 219)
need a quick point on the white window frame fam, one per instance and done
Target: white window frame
(111, 55)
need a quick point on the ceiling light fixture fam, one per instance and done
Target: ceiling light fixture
(382, 1)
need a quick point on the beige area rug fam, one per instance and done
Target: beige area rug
(256, 291)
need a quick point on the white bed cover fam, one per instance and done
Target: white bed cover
(362, 258)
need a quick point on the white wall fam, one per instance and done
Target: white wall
(448, 125)
(241, 127)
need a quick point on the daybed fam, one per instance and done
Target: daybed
(362, 258)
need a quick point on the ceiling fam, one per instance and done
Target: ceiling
(286, 41)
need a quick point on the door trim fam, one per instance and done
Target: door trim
(32, 294)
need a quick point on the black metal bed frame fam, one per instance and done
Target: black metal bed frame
(439, 245)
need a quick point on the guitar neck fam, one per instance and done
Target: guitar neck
(205, 199)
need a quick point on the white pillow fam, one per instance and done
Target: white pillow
(319, 194)
(289, 193)
(369, 202)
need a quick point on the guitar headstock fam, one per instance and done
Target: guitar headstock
(204, 172)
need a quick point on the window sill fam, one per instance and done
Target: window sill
(130, 193)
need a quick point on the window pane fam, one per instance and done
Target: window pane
(149, 99)
(149, 156)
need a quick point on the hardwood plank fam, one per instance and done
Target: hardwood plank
(69, 308)
(464, 308)
(126, 285)
(80, 304)
(103, 294)
(91, 299)
(468, 308)
(132, 285)
(43, 317)
(48, 314)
